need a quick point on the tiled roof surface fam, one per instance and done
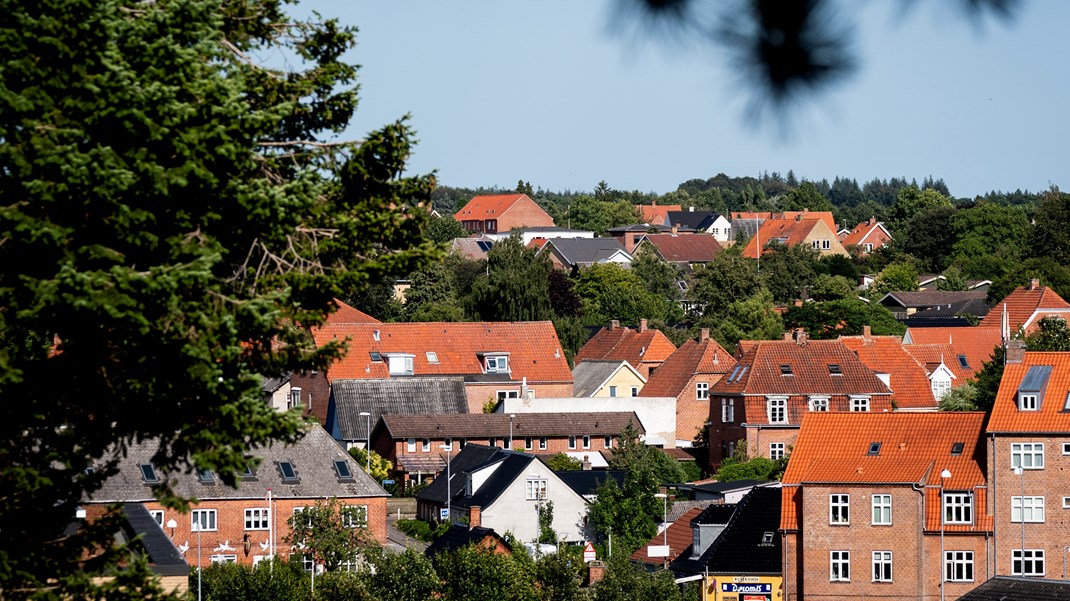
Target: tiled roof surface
(587, 482)
(348, 314)
(741, 547)
(1052, 415)
(825, 216)
(976, 343)
(625, 344)
(932, 355)
(863, 230)
(809, 363)
(391, 396)
(689, 248)
(460, 535)
(907, 377)
(486, 425)
(1021, 304)
(656, 213)
(583, 251)
(533, 348)
(474, 248)
(589, 376)
(693, 357)
(788, 232)
(489, 206)
(678, 537)
(1017, 588)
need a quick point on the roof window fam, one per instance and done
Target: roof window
(956, 448)
(834, 369)
(432, 357)
(376, 357)
(342, 468)
(288, 472)
(767, 538)
(785, 370)
(963, 362)
(205, 476)
(874, 448)
(148, 473)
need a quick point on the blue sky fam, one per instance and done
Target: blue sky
(551, 93)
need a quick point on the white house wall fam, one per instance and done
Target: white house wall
(512, 512)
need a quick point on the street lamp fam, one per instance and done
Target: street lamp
(511, 416)
(664, 521)
(449, 491)
(368, 440)
(172, 524)
(197, 528)
(1020, 471)
(944, 476)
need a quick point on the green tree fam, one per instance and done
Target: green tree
(897, 277)
(788, 272)
(443, 230)
(331, 532)
(758, 468)
(408, 576)
(988, 234)
(188, 213)
(610, 291)
(960, 398)
(832, 287)
(988, 377)
(753, 318)
(1050, 236)
(558, 577)
(431, 295)
(624, 581)
(277, 579)
(806, 196)
(722, 281)
(564, 302)
(473, 573)
(516, 287)
(659, 276)
(547, 534)
(953, 280)
(380, 466)
(560, 462)
(929, 237)
(847, 317)
(909, 202)
(1051, 334)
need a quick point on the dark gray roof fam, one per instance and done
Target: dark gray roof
(164, 558)
(587, 482)
(583, 251)
(640, 227)
(717, 513)
(471, 458)
(929, 298)
(680, 507)
(698, 220)
(587, 376)
(312, 457)
(973, 306)
(741, 547)
(486, 425)
(721, 487)
(1016, 588)
(270, 385)
(349, 398)
(458, 536)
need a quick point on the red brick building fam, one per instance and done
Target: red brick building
(904, 374)
(867, 236)
(886, 506)
(643, 348)
(495, 213)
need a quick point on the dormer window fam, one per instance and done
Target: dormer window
(1027, 402)
(1031, 390)
(400, 365)
(148, 473)
(497, 364)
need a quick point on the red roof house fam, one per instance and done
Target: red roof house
(1025, 307)
(792, 232)
(868, 236)
(656, 214)
(495, 213)
(971, 347)
(643, 348)
(902, 372)
(686, 249)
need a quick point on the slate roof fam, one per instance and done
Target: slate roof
(589, 376)
(1018, 588)
(449, 348)
(656, 213)
(976, 343)
(914, 448)
(697, 220)
(459, 536)
(759, 370)
(349, 398)
(625, 344)
(1052, 414)
(678, 536)
(1022, 304)
(585, 251)
(487, 425)
(908, 377)
(722, 487)
(640, 227)
(977, 307)
(312, 457)
(587, 482)
(163, 557)
(686, 248)
(513, 464)
(693, 357)
(741, 547)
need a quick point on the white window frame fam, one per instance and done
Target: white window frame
(958, 566)
(839, 566)
(882, 509)
(528, 445)
(635, 391)
(447, 444)
(507, 394)
(220, 558)
(1033, 557)
(882, 566)
(535, 489)
(815, 244)
(728, 410)
(1031, 453)
(1066, 502)
(702, 391)
(867, 247)
(1066, 446)
(819, 403)
(777, 407)
(1034, 510)
(940, 387)
(586, 441)
(157, 516)
(1028, 402)
(207, 517)
(607, 441)
(257, 518)
(572, 442)
(959, 506)
(400, 364)
(410, 445)
(359, 520)
(295, 397)
(839, 509)
(497, 364)
(826, 244)
(859, 403)
(776, 450)
(425, 445)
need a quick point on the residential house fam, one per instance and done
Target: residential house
(914, 388)
(657, 414)
(643, 348)
(459, 536)
(776, 383)
(867, 236)
(683, 250)
(1029, 428)
(358, 404)
(420, 445)
(629, 235)
(675, 535)
(606, 379)
(496, 359)
(688, 375)
(814, 233)
(569, 254)
(529, 234)
(656, 214)
(474, 248)
(931, 281)
(1025, 307)
(971, 347)
(763, 216)
(503, 490)
(493, 213)
(954, 302)
(886, 505)
(707, 222)
(740, 557)
(140, 532)
(586, 482)
(238, 524)
(722, 492)
(944, 369)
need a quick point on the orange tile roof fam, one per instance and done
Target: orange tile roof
(693, 357)
(1052, 415)
(864, 230)
(349, 314)
(810, 373)
(825, 216)
(625, 344)
(914, 449)
(533, 347)
(489, 206)
(932, 355)
(656, 214)
(679, 537)
(689, 248)
(790, 233)
(1022, 305)
(908, 378)
(976, 343)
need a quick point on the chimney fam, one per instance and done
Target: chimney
(642, 325)
(703, 334)
(866, 334)
(800, 336)
(586, 463)
(788, 335)
(1034, 284)
(614, 324)
(691, 209)
(798, 302)
(1015, 351)
(474, 516)
(595, 571)
(674, 230)
(873, 221)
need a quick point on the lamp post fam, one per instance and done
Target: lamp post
(197, 527)
(511, 416)
(449, 491)
(944, 476)
(368, 440)
(664, 520)
(172, 524)
(1020, 471)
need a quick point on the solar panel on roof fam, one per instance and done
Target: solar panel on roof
(484, 245)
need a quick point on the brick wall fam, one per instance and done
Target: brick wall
(315, 394)
(524, 213)
(692, 413)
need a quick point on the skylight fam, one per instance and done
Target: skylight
(376, 357)
(963, 362)
(874, 448)
(287, 469)
(432, 357)
(834, 369)
(205, 476)
(343, 470)
(956, 448)
(785, 370)
(148, 473)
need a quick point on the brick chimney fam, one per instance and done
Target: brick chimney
(595, 571)
(475, 515)
(703, 334)
(800, 336)
(1034, 284)
(867, 334)
(642, 325)
(614, 324)
(1015, 351)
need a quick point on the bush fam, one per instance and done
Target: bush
(421, 530)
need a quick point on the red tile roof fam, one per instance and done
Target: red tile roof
(686, 248)
(932, 355)
(1022, 306)
(759, 370)
(825, 216)
(490, 206)
(679, 537)
(348, 314)
(858, 236)
(656, 214)
(976, 343)
(908, 378)
(457, 348)
(914, 449)
(625, 344)
(693, 357)
(1052, 414)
